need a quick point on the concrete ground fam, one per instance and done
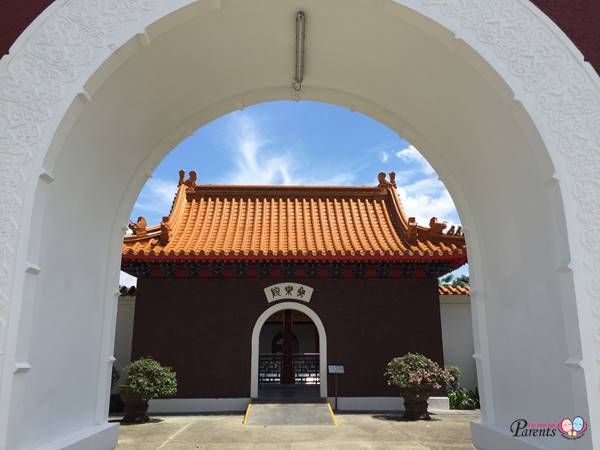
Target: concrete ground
(354, 431)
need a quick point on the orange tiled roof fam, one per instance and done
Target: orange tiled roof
(454, 290)
(306, 222)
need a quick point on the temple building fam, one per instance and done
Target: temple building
(258, 291)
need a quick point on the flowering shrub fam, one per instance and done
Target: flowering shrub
(415, 370)
(455, 372)
(148, 379)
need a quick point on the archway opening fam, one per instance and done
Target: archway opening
(306, 370)
(267, 205)
(288, 359)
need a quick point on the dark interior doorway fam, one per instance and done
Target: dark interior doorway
(288, 364)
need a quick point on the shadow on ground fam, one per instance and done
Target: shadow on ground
(151, 420)
(400, 418)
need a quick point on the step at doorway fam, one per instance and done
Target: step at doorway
(273, 414)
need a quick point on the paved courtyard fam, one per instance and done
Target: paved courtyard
(354, 431)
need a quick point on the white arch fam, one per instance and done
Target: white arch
(496, 97)
(256, 341)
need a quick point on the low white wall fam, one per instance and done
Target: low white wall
(197, 405)
(457, 336)
(383, 403)
(123, 336)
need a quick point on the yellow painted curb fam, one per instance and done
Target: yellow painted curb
(332, 414)
(245, 421)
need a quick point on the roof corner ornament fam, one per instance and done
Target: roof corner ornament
(139, 227)
(300, 34)
(436, 227)
(190, 182)
(165, 231)
(393, 179)
(412, 228)
(454, 231)
(383, 183)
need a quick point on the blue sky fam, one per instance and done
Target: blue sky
(298, 143)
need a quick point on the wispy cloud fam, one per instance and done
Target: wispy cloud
(423, 195)
(384, 156)
(257, 162)
(412, 155)
(257, 156)
(253, 163)
(425, 206)
(157, 196)
(425, 186)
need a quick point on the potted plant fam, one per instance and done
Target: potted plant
(146, 379)
(417, 377)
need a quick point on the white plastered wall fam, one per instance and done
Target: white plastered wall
(123, 336)
(457, 337)
(492, 93)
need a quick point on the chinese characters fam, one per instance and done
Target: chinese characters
(288, 291)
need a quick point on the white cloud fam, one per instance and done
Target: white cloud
(431, 186)
(255, 163)
(426, 196)
(411, 155)
(424, 206)
(157, 196)
(256, 158)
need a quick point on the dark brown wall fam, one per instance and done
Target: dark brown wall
(203, 328)
(577, 18)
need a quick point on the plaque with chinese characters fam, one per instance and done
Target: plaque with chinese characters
(288, 291)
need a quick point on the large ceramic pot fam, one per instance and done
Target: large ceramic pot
(136, 409)
(415, 401)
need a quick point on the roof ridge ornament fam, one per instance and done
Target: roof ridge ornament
(383, 183)
(139, 228)
(413, 230)
(437, 227)
(191, 181)
(165, 231)
(455, 230)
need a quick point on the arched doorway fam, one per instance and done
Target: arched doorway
(301, 365)
(288, 358)
(498, 112)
